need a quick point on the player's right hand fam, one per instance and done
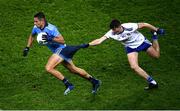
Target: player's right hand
(25, 51)
(47, 38)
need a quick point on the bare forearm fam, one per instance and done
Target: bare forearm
(30, 40)
(59, 40)
(97, 41)
(147, 25)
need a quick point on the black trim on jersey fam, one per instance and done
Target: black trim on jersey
(122, 31)
(46, 24)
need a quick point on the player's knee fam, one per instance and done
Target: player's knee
(48, 68)
(157, 56)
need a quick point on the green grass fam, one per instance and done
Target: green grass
(24, 84)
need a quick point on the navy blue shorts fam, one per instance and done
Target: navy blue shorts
(143, 47)
(67, 52)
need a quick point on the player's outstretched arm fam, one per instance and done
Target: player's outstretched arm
(97, 41)
(152, 28)
(147, 25)
(26, 49)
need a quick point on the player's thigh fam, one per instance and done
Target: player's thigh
(70, 66)
(152, 52)
(53, 61)
(133, 59)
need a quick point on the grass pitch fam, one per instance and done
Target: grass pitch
(26, 85)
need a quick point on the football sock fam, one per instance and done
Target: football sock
(155, 37)
(151, 80)
(93, 80)
(84, 45)
(66, 82)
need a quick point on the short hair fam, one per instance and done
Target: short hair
(40, 15)
(114, 24)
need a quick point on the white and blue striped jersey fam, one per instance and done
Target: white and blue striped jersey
(130, 37)
(52, 32)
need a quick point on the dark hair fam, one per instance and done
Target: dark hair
(40, 15)
(114, 24)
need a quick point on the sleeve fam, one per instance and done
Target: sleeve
(134, 26)
(130, 26)
(34, 32)
(108, 34)
(55, 32)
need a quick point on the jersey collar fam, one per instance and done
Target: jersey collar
(120, 32)
(46, 24)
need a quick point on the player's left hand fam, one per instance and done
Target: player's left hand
(160, 31)
(25, 51)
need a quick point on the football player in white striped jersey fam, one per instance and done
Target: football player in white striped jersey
(134, 42)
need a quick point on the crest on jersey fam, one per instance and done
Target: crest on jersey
(128, 29)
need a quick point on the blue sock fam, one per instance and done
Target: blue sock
(93, 80)
(154, 36)
(84, 45)
(66, 82)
